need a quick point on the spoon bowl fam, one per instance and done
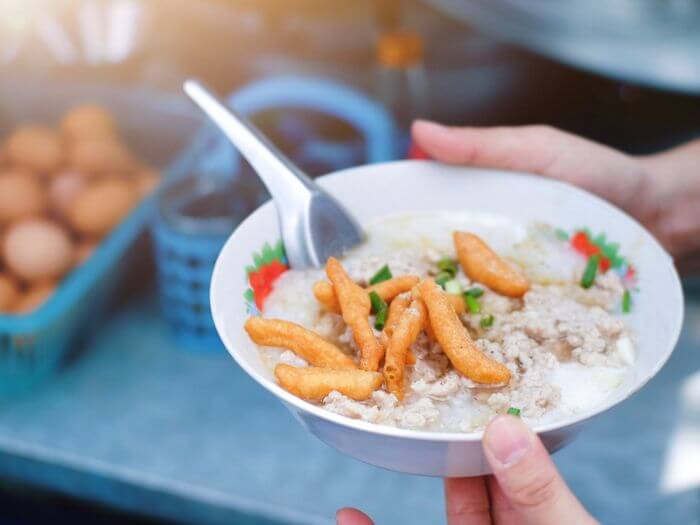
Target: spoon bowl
(313, 224)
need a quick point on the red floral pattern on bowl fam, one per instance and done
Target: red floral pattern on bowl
(268, 265)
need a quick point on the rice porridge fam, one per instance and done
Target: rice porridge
(565, 344)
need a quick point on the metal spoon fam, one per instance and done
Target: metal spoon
(314, 225)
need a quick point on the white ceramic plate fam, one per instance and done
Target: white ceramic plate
(423, 186)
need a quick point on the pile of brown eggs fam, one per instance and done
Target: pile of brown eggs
(61, 191)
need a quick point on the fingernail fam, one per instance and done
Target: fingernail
(432, 127)
(507, 439)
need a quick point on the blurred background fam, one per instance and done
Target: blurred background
(117, 402)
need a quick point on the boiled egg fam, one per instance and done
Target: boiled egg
(88, 121)
(64, 188)
(101, 206)
(36, 148)
(99, 156)
(37, 249)
(21, 195)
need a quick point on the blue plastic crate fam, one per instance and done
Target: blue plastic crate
(154, 125)
(33, 345)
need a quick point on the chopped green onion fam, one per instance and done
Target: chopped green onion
(513, 411)
(376, 301)
(590, 271)
(453, 287)
(561, 234)
(472, 303)
(379, 308)
(475, 292)
(384, 274)
(380, 319)
(447, 265)
(627, 302)
(487, 321)
(442, 279)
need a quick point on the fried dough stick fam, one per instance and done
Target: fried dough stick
(325, 294)
(407, 329)
(484, 265)
(396, 308)
(410, 358)
(390, 288)
(355, 307)
(459, 305)
(455, 341)
(457, 302)
(314, 383)
(306, 344)
(387, 290)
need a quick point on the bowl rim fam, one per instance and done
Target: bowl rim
(426, 435)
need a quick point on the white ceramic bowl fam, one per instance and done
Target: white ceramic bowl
(420, 186)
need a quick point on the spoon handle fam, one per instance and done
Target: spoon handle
(287, 184)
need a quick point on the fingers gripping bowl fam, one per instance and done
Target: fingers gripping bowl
(504, 210)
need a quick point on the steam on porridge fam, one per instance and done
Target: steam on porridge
(441, 321)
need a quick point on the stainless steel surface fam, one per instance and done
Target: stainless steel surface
(314, 226)
(650, 42)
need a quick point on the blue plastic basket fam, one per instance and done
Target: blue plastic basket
(185, 253)
(33, 345)
(185, 259)
(155, 126)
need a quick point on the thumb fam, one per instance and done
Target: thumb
(528, 477)
(349, 516)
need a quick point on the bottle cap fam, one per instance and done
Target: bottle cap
(400, 49)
